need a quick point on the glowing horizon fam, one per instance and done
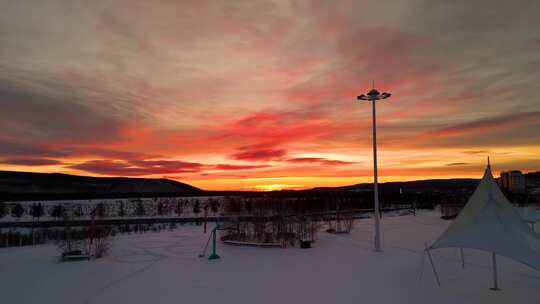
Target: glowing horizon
(262, 95)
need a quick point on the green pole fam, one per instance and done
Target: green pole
(214, 256)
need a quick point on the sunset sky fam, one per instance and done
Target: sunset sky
(261, 95)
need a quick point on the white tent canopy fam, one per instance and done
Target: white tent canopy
(489, 222)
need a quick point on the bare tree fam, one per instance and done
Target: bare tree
(17, 211)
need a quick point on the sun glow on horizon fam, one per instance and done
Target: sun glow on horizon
(273, 187)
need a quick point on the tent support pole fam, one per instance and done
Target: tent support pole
(495, 283)
(421, 270)
(433, 267)
(462, 258)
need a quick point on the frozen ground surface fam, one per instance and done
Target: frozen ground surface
(165, 268)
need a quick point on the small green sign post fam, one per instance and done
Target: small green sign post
(214, 255)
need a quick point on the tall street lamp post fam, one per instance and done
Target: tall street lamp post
(373, 96)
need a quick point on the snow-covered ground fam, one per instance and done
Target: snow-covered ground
(165, 268)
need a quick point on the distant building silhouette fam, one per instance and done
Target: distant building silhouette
(532, 179)
(513, 181)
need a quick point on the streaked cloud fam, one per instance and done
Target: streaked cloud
(318, 160)
(259, 155)
(30, 161)
(137, 167)
(238, 167)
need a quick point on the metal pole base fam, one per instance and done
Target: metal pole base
(495, 280)
(213, 257)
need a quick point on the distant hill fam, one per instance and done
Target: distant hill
(429, 185)
(55, 185)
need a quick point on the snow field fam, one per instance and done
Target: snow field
(164, 267)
